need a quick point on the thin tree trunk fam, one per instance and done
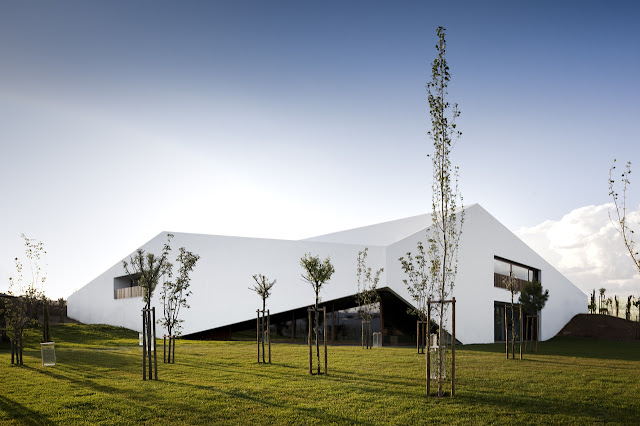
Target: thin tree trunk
(513, 332)
(317, 315)
(155, 349)
(440, 347)
(144, 345)
(520, 331)
(168, 355)
(150, 369)
(262, 328)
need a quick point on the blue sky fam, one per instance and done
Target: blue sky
(287, 119)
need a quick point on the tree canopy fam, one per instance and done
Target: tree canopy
(316, 271)
(532, 297)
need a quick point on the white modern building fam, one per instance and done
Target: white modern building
(222, 306)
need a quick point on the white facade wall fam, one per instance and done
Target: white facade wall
(222, 277)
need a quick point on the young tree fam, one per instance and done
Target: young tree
(419, 282)
(621, 221)
(316, 273)
(592, 304)
(263, 288)
(174, 295)
(533, 299)
(627, 311)
(21, 311)
(447, 221)
(16, 314)
(511, 284)
(148, 268)
(61, 308)
(601, 300)
(616, 303)
(367, 296)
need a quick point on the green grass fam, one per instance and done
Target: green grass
(98, 379)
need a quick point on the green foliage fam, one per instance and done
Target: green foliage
(263, 288)
(592, 304)
(627, 311)
(149, 268)
(97, 381)
(367, 296)
(420, 282)
(316, 272)
(444, 234)
(175, 292)
(511, 284)
(446, 198)
(533, 298)
(21, 311)
(602, 302)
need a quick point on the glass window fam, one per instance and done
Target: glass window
(520, 272)
(501, 267)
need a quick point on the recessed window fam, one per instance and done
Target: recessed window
(126, 287)
(503, 267)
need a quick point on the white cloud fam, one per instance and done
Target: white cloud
(585, 246)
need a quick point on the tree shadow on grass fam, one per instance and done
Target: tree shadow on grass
(269, 402)
(76, 380)
(537, 405)
(22, 414)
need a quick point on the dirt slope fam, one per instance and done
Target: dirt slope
(601, 327)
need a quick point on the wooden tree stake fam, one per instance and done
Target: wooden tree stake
(520, 331)
(155, 352)
(309, 340)
(144, 344)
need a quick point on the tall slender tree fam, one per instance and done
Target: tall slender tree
(367, 297)
(148, 269)
(316, 273)
(263, 288)
(444, 234)
(175, 293)
(620, 218)
(511, 284)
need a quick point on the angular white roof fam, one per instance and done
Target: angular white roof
(380, 234)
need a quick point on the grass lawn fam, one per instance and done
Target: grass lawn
(98, 379)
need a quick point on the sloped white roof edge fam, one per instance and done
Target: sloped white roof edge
(381, 234)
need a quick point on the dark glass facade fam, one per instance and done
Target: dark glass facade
(344, 325)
